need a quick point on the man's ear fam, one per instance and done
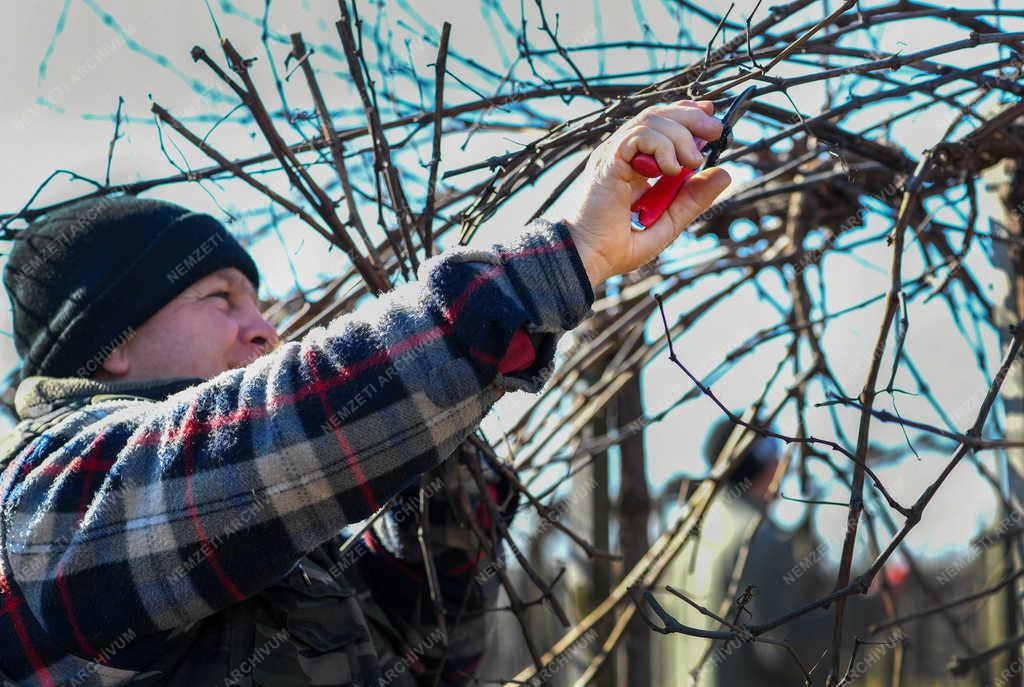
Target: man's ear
(116, 364)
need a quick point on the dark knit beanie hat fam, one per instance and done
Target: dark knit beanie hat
(83, 277)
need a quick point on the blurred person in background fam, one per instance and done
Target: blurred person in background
(780, 572)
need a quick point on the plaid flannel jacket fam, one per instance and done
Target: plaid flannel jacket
(113, 516)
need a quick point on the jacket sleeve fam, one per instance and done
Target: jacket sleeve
(191, 504)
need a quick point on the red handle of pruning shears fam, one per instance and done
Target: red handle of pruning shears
(655, 201)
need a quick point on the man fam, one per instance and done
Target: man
(173, 493)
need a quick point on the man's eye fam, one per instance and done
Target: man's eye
(221, 294)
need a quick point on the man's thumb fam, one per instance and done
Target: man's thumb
(697, 196)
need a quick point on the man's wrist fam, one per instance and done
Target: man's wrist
(595, 266)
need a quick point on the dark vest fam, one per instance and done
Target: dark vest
(314, 627)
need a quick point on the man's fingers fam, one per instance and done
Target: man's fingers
(706, 105)
(686, 148)
(651, 141)
(698, 121)
(680, 123)
(677, 134)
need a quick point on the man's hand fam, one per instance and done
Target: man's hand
(600, 226)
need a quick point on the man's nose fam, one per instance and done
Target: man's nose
(257, 332)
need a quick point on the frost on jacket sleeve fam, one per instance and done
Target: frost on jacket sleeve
(318, 434)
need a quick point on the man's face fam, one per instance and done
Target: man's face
(212, 326)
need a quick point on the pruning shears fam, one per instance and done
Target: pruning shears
(653, 203)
